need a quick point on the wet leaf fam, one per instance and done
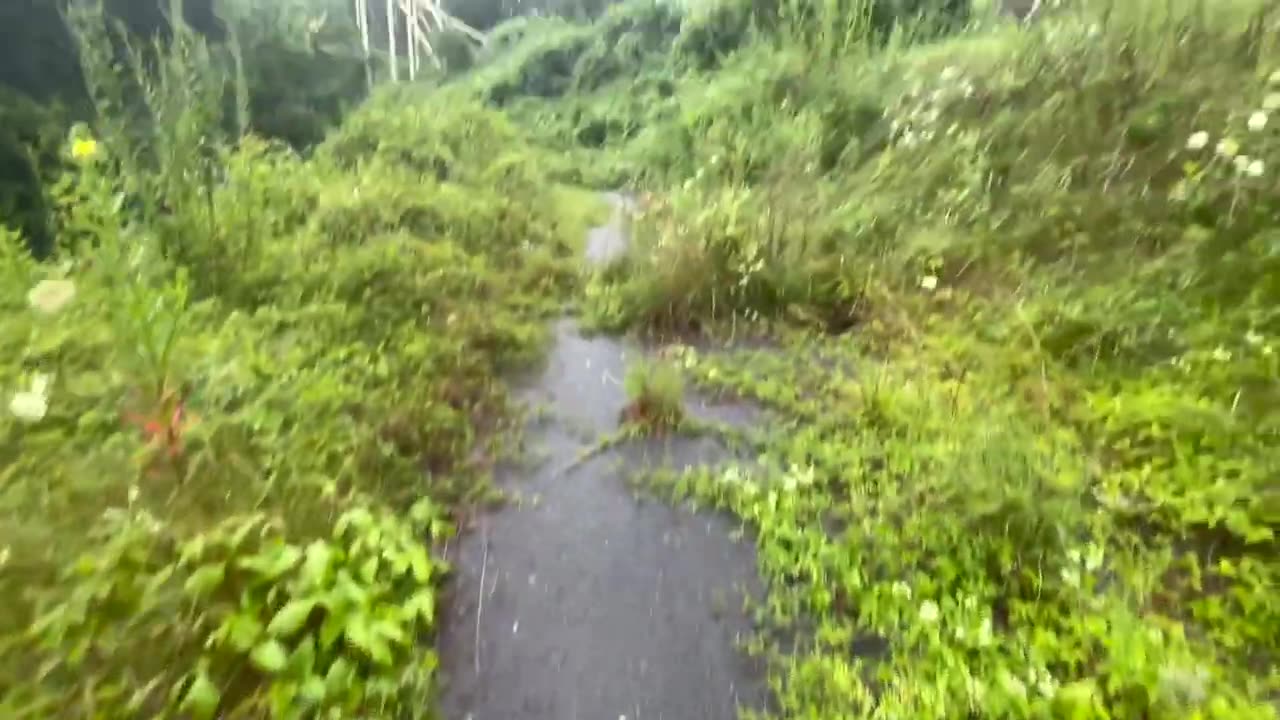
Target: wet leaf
(202, 697)
(316, 564)
(241, 631)
(291, 617)
(205, 580)
(338, 680)
(269, 657)
(313, 689)
(361, 635)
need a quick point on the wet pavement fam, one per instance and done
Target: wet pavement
(583, 600)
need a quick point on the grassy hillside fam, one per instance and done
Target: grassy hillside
(1036, 468)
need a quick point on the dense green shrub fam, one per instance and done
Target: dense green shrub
(245, 391)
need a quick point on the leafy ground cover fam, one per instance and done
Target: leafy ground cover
(246, 393)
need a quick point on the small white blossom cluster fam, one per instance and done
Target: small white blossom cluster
(1080, 563)
(916, 118)
(1229, 149)
(47, 298)
(32, 404)
(981, 635)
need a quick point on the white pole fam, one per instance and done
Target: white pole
(391, 40)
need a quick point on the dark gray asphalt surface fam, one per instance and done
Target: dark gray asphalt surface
(584, 601)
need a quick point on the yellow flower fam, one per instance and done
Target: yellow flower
(50, 296)
(84, 149)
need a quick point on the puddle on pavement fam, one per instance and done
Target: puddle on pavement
(585, 601)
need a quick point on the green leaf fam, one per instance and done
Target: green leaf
(331, 629)
(205, 580)
(338, 680)
(202, 697)
(390, 630)
(269, 657)
(360, 634)
(316, 564)
(313, 689)
(421, 565)
(424, 605)
(241, 631)
(303, 659)
(273, 561)
(369, 570)
(291, 617)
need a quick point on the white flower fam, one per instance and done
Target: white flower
(929, 611)
(901, 589)
(1253, 338)
(1257, 121)
(1221, 354)
(929, 282)
(1198, 140)
(1271, 101)
(50, 296)
(1070, 576)
(1242, 163)
(1255, 169)
(32, 405)
(1228, 148)
(28, 406)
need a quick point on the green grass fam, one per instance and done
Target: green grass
(655, 394)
